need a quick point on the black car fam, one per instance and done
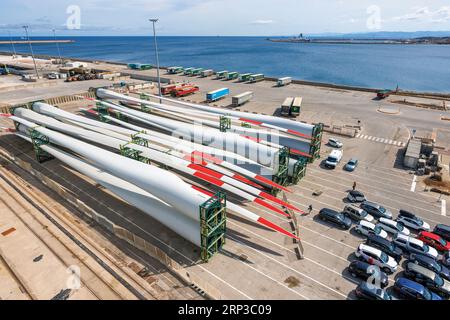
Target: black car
(443, 231)
(364, 271)
(428, 278)
(355, 196)
(385, 245)
(408, 289)
(370, 292)
(335, 217)
(446, 259)
(376, 210)
(431, 264)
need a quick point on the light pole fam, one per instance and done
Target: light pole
(157, 58)
(57, 46)
(32, 53)
(12, 44)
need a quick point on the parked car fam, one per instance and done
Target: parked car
(430, 264)
(443, 231)
(351, 165)
(335, 143)
(392, 226)
(364, 270)
(376, 257)
(369, 292)
(412, 245)
(428, 278)
(412, 290)
(385, 245)
(356, 196)
(367, 228)
(434, 241)
(355, 213)
(336, 218)
(446, 259)
(411, 221)
(376, 210)
(333, 159)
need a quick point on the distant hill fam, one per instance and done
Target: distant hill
(384, 35)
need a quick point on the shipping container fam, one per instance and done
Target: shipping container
(286, 107)
(221, 74)
(207, 73)
(197, 71)
(188, 71)
(175, 70)
(284, 81)
(232, 75)
(296, 106)
(245, 77)
(242, 98)
(139, 66)
(217, 94)
(256, 77)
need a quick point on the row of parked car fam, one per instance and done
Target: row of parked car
(426, 274)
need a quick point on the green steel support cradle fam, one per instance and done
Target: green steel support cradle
(282, 177)
(299, 170)
(213, 225)
(225, 124)
(39, 140)
(316, 142)
(128, 152)
(245, 125)
(138, 140)
(144, 108)
(102, 112)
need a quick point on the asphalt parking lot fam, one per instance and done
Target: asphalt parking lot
(329, 250)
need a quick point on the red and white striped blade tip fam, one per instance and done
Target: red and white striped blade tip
(299, 134)
(277, 228)
(270, 207)
(271, 183)
(279, 201)
(6, 115)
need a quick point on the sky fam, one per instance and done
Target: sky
(221, 17)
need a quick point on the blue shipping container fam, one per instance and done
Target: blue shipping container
(217, 94)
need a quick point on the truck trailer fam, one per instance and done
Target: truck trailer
(242, 98)
(207, 73)
(221, 74)
(284, 81)
(286, 107)
(296, 106)
(256, 77)
(175, 70)
(232, 76)
(217, 94)
(188, 71)
(197, 71)
(245, 77)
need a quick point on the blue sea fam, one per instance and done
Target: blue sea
(411, 67)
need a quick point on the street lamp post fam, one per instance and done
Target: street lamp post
(12, 44)
(57, 46)
(32, 53)
(157, 58)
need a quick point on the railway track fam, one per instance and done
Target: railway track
(108, 279)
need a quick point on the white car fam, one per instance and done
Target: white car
(376, 257)
(366, 228)
(392, 226)
(413, 245)
(333, 142)
(413, 222)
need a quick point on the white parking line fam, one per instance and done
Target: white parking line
(413, 184)
(444, 207)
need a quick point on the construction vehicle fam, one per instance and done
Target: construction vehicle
(184, 91)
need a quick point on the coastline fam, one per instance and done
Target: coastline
(420, 94)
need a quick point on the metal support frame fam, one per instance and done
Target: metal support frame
(245, 125)
(128, 152)
(225, 124)
(299, 170)
(39, 140)
(316, 142)
(102, 112)
(213, 225)
(282, 177)
(138, 140)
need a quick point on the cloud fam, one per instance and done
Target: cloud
(424, 14)
(262, 22)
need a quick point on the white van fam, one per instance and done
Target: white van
(334, 158)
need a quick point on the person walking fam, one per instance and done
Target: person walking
(354, 185)
(310, 209)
